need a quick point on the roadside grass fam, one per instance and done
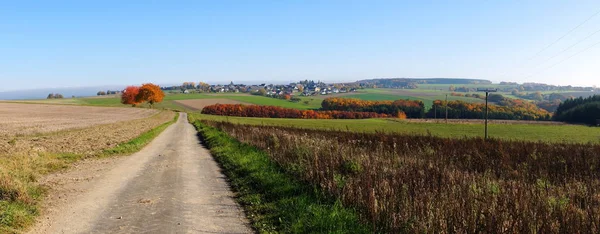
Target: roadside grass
(274, 201)
(525, 132)
(21, 196)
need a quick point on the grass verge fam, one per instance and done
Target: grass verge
(21, 195)
(274, 201)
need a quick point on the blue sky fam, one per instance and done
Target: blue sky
(89, 43)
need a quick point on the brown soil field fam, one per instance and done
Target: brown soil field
(29, 119)
(86, 141)
(198, 104)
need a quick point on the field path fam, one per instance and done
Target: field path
(173, 185)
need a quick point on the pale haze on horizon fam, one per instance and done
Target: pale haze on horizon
(50, 44)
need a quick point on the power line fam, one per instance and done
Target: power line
(563, 36)
(561, 61)
(566, 49)
(557, 40)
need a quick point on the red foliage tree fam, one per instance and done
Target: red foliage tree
(129, 95)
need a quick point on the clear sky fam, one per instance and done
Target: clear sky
(89, 43)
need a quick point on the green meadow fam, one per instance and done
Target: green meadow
(527, 132)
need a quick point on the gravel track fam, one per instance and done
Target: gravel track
(173, 185)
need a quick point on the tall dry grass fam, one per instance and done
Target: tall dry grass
(406, 183)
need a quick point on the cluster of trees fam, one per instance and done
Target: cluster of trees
(280, 112)
(537, 96)
(54, 96)
(150, 93)
(579, 110)
(107, 92)
(510, 109)
(474, 95)
(412, 108)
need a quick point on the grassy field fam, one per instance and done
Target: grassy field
(526, 132)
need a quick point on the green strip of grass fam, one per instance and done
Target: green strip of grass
(21, 195)
(273, 200)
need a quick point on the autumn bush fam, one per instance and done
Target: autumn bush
(280, 112)
(425, 184)
(412, 108)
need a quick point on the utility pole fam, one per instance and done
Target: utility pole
(487, 91)
(446, 108)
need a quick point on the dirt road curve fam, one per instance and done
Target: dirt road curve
(171, 186)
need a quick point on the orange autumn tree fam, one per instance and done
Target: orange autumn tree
(150, 93)
(129, 95)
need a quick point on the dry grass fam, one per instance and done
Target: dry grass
(425, 184)
(198, 104)
(27, 119)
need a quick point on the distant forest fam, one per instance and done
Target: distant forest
(413, 83)
(579, 110)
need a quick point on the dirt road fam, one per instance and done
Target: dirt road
(172, 186)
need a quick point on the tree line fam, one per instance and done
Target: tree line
(412, 108)
(54, 96)
(512, 110)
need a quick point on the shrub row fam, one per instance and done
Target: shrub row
(280, 112)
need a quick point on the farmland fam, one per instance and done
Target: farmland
(23, 119)
(40, 139)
